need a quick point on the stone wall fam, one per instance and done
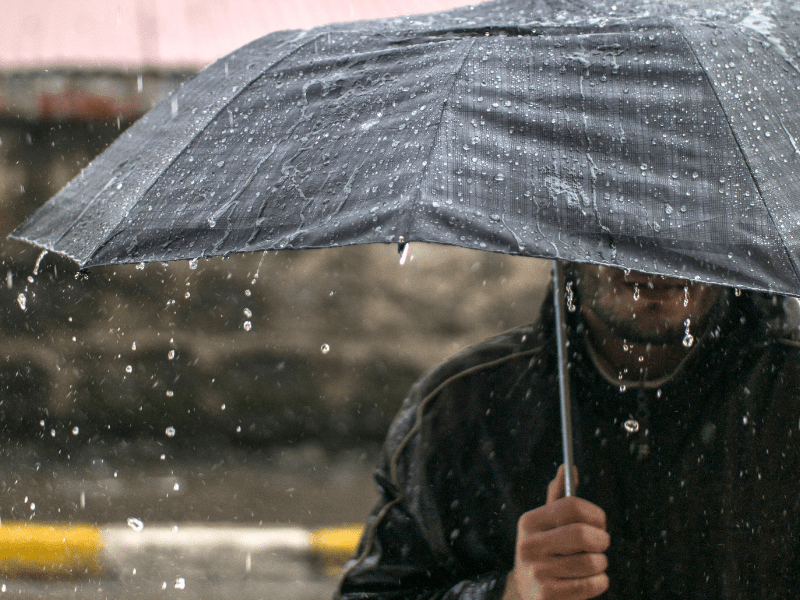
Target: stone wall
(268, 348)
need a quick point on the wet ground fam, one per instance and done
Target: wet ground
(164, 486)
(159, 483)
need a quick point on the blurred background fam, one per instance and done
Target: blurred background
(247, 392)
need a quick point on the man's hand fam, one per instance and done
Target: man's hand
(559, 551)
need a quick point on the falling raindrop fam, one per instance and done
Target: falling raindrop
(39, 262)
(176, 487)
(668, 209)
(631, 425)
(247, 325)
(170, 431)
(685, 296)
(570, 297)
(404, 254)
(248, 313)
(737, 292)
(180, 583)
(688, 338)
(129, 369)
(133, 346)
(135, 524)
(187, 295)
(76, 430)
(171, 354)
(170, 393)
(248, 293)
(22, 300)
(193, 264)
(325, 348)
(140, 266)
(635, 292)
(695, 175)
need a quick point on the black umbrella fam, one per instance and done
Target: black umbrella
(656, 136)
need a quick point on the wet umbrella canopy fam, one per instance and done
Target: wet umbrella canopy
(660, 137)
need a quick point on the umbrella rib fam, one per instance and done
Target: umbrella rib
(456, 75)
(792, 262)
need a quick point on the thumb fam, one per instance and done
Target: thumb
(555, 489)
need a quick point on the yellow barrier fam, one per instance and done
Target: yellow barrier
(64, 551)
(50, 551)
(334, 545)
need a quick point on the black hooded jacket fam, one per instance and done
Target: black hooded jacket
(699, 478)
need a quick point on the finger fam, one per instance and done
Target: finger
(573, 589)
(575, 566)
(563, 541)
(559, 513)
(555, 489)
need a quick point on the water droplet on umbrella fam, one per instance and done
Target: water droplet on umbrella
(135, 524)
(193, 264)
(248, 313)
(643, 166)
(171, 354)
(170, 431)
(325, 348)
(180, 583)
(737, 292)
(247, 325)
(695, 175)
(140, 266)
(668, 209)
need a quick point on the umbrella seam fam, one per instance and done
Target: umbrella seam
(244, 87)
(794, 266)
(456, 75)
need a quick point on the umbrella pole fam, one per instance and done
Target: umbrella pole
(563, 375)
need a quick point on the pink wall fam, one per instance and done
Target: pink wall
(141, 34)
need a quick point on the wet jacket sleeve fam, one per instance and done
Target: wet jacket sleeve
(404, 553)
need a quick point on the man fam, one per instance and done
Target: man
(685, 412)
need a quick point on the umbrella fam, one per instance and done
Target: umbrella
(655, 136)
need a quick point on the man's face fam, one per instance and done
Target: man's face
(644, 308)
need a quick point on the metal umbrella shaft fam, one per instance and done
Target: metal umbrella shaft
(563, 375)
